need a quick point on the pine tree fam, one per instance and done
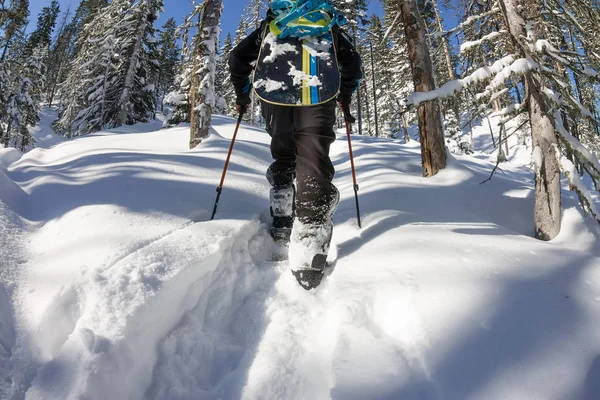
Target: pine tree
(241, 31)
(179, 98)
(24, 72)
(109, 84)
(355, 12)
(58, 57)
(254, 14)
(250, 21)
(12, 20)
(92, 78)
(378, 77)
(400, 86)
(68, 44)
(168, 60)
(42, 35)
(134, 98)
(223, 87)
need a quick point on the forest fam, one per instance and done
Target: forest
(109, 63)
(458, 256)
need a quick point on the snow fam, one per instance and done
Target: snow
(475, 43)
(318, 48)
(277, 48)
(537, 158)
(300, 77)
(457, 85)
(114, 284)
(575, 181)
(270, 85)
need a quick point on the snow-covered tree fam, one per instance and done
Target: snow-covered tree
(223, 86)
(355, 12)
(249, 21)
(379, 96)
(168, 60)
(241, 31)
(12, 20)
(179, 97)
(202, 87)
(530, 41)
(42, 35)
(86, 89)
(23, 73)
(109, 83)
(135, 95)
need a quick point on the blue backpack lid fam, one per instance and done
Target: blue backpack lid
(302, 18)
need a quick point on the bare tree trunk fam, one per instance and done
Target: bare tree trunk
(252, 108)
(367, 107)
(448, 57)
(202, 90)
(547, 178)
(433, 150)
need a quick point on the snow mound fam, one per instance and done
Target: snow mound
(128, 308)
(7, 157)
(11, 194)
(125, 290)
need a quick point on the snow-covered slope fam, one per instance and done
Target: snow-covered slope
(124, 290)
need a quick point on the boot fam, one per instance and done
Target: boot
(309, 246)
(310, 243)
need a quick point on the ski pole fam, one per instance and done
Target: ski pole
(220, 187)
(348, 118)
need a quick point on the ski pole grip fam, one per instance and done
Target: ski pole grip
(347, 115)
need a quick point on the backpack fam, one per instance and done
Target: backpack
(304, 18)
(297, 63)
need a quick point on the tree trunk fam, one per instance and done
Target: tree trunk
(449, 66)
(433, 151)
(547, 178)
(367, 108)
(202, 90)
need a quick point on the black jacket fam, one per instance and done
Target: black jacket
(245, 54)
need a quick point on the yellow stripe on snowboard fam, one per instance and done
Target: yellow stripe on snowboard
(306, 99)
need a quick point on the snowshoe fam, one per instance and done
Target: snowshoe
(311, 277)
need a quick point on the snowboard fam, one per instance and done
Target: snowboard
(296, 71)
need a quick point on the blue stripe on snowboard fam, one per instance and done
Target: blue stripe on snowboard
(314, 90)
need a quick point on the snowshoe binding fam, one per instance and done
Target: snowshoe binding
(282, 212)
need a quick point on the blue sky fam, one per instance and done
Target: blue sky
(177, 9)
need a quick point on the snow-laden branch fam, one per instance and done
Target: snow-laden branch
(519, 67)
(575, 182)
(391, 28)
(471, 20)
(469, 45)
(500, 70)
(589, 161)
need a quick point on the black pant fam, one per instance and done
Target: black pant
(300, 142)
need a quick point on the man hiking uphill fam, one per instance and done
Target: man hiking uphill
(301, 62)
